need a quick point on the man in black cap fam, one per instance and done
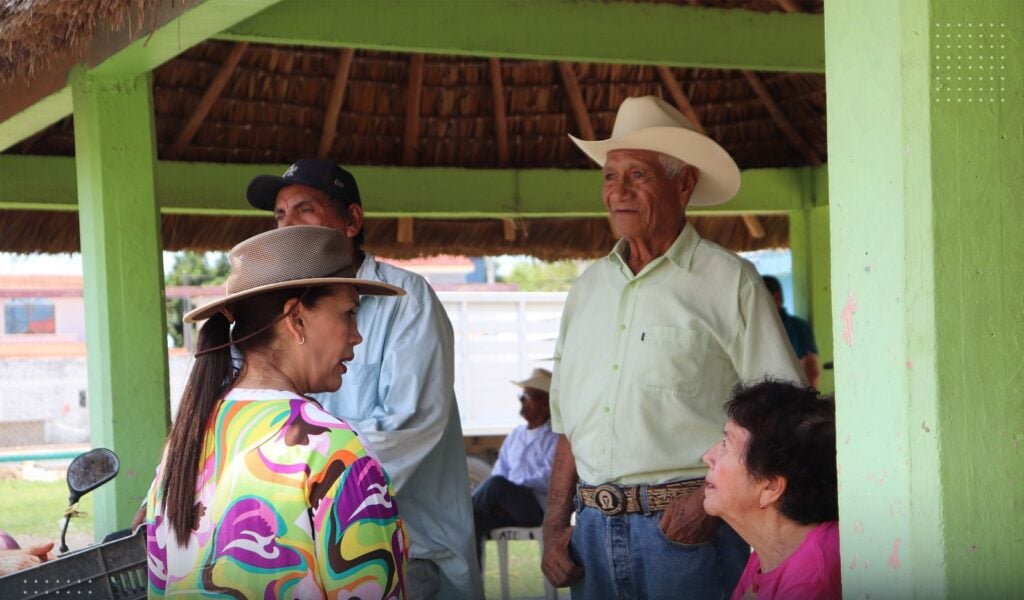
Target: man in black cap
(399, 391)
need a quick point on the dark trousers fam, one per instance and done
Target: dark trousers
(500, 503)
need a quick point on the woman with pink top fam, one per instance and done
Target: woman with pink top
(772, 478)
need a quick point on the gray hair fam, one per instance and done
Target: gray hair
(672, 165)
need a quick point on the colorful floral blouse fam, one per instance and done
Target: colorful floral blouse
(291, 505)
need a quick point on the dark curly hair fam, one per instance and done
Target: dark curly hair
(792, 435)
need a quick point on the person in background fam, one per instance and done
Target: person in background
(516, 493)
(400, 390)
(260, 492)
(652, 339)
(772, 478)
(801, 336)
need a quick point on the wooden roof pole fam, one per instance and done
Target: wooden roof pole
(679, 97)
(753, 224)
(788, 6)
(413, 95)
(206, 102)
(501, 132)
(781, 119)
(500, 123)
(508, 227)
(579, 109)
(334, 102)
(404, 235)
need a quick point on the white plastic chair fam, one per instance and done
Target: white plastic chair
(502, 535)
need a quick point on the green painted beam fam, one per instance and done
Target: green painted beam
(173, 27)
(35, 118)
(123, 275)
(569, 30)
(48, 183)
(189, 26)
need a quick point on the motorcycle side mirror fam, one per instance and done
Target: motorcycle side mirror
(85, 473)
(91, 470)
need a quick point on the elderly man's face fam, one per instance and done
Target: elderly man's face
(304, 205)
(535, 407)
(643, 201)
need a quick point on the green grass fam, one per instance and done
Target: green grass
(525, 578)
(32, 512)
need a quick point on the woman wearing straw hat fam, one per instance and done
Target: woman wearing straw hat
(260, 492)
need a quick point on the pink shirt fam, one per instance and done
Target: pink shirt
(810, 573)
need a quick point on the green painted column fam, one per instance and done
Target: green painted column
(124, 305)
(821, 293)
(925, 152)
(812, 285)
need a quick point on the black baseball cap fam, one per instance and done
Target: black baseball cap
(322, 174)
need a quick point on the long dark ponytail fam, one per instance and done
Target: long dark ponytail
(213, 375)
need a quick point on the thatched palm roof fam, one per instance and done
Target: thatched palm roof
(275, 100)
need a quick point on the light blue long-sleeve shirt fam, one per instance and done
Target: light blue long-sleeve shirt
(526, 458)
(399, 393)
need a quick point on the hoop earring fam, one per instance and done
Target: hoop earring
(302, 340)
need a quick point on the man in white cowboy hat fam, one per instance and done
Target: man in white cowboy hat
(400, 388)
(516, 493)
(653, 338)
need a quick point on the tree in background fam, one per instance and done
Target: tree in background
(533, 275)
(191, 268)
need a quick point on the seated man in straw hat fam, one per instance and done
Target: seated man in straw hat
(516, 493)
(652, 340)
(400, 388)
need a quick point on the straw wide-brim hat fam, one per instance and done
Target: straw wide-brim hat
(290, 257)
(650, 123)
(540, 379)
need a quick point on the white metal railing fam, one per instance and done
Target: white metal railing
(499, 337)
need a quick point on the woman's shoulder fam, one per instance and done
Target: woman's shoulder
(814, 570)
(297, 416)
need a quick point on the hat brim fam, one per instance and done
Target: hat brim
(534, 383)
(364, 287)
(263, 189)
(719, 177)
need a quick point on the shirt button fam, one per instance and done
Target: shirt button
(607, 409)
(615, 367)
(622, 327)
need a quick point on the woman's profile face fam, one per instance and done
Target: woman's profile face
(730, 492)
(331, 335)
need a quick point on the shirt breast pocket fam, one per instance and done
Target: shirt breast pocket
(674, 359)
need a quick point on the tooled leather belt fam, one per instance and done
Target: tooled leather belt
(615, 500)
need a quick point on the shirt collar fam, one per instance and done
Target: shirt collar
(680, 253)
(368, 268)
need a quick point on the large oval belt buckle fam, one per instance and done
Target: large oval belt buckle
(610, 499)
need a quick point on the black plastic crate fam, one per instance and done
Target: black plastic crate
(115, 570)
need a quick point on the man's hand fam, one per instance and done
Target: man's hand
(557, 565)
(23, 558)
(685, 521)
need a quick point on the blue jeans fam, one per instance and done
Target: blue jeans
(628, 556)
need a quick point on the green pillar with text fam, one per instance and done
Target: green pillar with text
(115, 154)
(925, 184)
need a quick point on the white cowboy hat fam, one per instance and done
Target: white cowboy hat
(290, 257)
(540, 379)
(650, 123)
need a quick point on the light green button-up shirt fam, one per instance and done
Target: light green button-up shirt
(644, 362)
